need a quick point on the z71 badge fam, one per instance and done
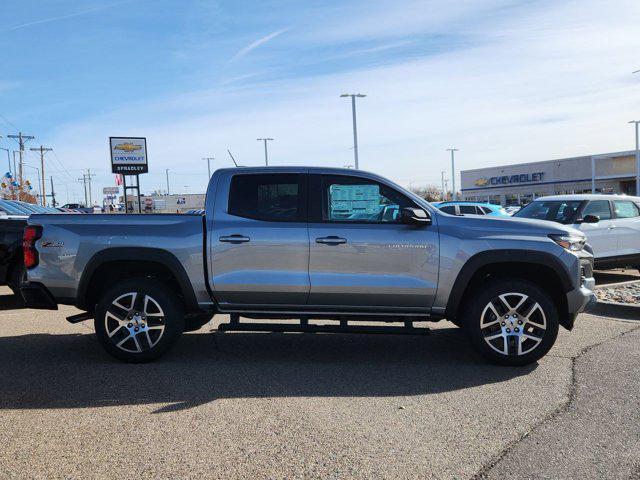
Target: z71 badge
(50, 244)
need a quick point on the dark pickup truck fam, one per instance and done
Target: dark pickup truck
(11, 265)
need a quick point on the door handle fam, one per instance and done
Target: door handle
(331, 240)
(235, 238)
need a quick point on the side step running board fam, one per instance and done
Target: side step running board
(305, 327)
(80, 317)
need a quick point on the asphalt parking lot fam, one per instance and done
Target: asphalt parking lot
(260, 405)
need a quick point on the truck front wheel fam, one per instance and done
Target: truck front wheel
(138, 320)
(511, 321)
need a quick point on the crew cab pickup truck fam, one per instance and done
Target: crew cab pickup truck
(313, 244)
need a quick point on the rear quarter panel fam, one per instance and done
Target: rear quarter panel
(70, 241)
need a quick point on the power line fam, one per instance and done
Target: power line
(8, 121)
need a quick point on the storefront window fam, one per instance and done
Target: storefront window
(511, 200)
(525, 199)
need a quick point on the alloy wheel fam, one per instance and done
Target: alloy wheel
(513, 324)
(134, 322)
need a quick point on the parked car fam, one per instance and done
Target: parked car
(610, 222)
(15, 207)
(78, 207)
(471, 208)
(13, 219)
(11, 264)
(512, 209)
(275, 243)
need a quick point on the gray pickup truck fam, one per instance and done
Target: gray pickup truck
(339, 250)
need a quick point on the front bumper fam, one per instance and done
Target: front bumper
(36, 295)
(582, 298)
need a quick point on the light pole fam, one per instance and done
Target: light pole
(266, 155)
(443, 192)
(166, 171)
(636, 122)
(8, 157)
(355, 128)
(453, 173)
(208, 159)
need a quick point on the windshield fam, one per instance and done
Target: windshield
(561, 211)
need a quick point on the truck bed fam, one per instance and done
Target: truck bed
(70, 243)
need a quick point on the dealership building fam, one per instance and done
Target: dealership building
(521, 183)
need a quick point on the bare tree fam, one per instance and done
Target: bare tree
(430, 193)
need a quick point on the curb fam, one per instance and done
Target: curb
(616, 285)
(617, 310)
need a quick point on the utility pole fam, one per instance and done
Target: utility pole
(636, 122)
(453, 173)
(8, 158)
(84, 181)
(89, 175)
(355, 128)
(208, 159)
(42, 151)
(53, 194)
(21, 138)
(443, 192)
(266, 156)
(166, 171)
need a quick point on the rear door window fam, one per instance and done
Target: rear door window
(468, 209)
(268, 197)
(626, 209)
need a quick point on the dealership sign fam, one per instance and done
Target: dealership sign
(110, 190)
(128, 155)
(510, 179)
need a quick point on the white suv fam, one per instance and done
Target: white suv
(610, 222)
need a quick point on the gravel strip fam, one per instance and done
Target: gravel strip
(628, 294)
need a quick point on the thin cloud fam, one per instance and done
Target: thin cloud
(64, 17)
(261, 41)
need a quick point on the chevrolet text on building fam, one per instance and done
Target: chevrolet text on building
(517, 184)
(506, 180)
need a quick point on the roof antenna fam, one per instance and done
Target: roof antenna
(232, 159)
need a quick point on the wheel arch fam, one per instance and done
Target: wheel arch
(543, 268)
(119, 263)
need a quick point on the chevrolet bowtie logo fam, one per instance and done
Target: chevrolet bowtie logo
(128, 147)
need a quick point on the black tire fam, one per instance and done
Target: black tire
(17, 276)
(479, 321)
(159, 325)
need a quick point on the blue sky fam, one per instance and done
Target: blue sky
(503, 81)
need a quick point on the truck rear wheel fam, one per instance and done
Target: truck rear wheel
(511, 321)
(138, 320)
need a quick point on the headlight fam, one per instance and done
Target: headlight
(569, 241)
